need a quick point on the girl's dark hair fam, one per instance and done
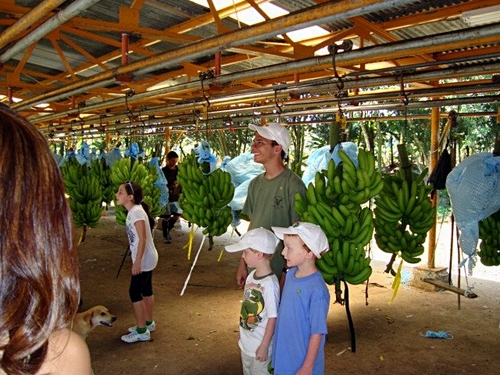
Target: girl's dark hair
(39, 284)
(136, 190)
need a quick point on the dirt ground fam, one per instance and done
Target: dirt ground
(197, 332)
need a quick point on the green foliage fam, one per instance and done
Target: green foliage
(478, 134)
(231, 141)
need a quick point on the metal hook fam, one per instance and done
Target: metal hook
(404, 95)
(278, 107)
(102, 127)
(333, 49)
(129, 94)
(203, 76)
(404, 98)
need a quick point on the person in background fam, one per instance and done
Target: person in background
(39, 280)
(174, 211)
(271, 195)
(259, 308)
(139, 224)
(301, 328)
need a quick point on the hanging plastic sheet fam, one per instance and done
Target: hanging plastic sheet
(161, 181)
(134, 152)
(225, 160)
(243, 168)
(318, 160)
(93, 154)
(114, 155)
(349, 148)
(58, 158)
(83, 154)
(205, 155)
(69, 155)
(474, 189)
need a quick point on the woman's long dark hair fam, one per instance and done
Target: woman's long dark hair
(39, 285)
(136, 190)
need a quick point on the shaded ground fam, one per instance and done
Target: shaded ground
(197, 333)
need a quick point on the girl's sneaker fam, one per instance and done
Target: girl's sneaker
(136, 337)
(151, 327)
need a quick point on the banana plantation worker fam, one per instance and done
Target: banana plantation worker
(174, 211)
(271, 195)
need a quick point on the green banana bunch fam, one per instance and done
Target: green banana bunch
(125, 169)
(348, 234)
(334, 203)
(85, 194)
(71, 171)
(102, 171)
(148, 175)
(489, 233)
(205, 198)
(403, 215)
(86, 214)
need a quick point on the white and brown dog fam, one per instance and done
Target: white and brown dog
(86, 321)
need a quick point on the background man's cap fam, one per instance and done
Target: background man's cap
(274, 132)
(312, 235)
(259, 239)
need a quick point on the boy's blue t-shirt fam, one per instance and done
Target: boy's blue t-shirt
(303, 311)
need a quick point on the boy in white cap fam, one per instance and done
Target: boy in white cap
(299, 338)
(271, 195)
(259, 308)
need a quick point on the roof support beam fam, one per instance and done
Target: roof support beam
(30, 18)
(318, 14)
(48, 26)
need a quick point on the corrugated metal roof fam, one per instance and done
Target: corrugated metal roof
(167, 28)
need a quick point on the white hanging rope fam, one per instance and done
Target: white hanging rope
(192, 266)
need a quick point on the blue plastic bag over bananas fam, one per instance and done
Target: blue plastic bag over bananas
(404, 213)
(161, 182)
(205, 197)
(474, 189)
(127, 169)
(84, 155)
(334, 202)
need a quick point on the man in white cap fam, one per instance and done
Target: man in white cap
(271, 195)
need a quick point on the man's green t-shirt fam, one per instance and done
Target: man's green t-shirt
(270, 202)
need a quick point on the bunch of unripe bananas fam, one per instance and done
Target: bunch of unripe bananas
(205, 197)
(85, 193)
(334, 203)
(127, 169)
(489, 233)
(403, 215)
(102, 171)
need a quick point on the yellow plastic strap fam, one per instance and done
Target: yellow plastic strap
(189, 244)
(397, 280)
(220, 255)
(81, 237)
